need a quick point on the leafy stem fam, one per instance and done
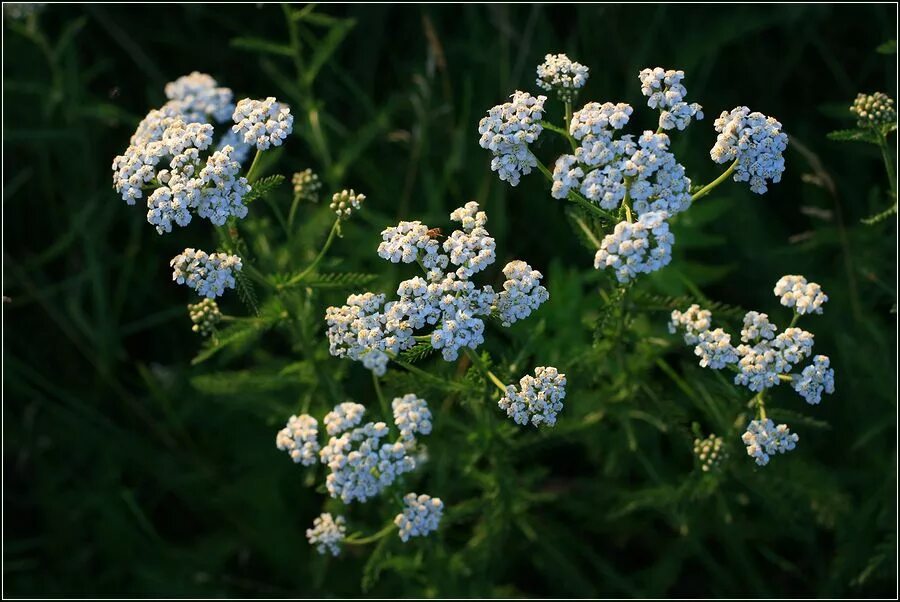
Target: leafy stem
(888, 165)
(476, 361)
(253, 166)
(709, 187)
(361, 541)
(335, 230)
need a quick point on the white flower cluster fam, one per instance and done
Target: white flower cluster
(522, 292)
(306, 186)
(327, 533)
(421, 516)
(664, 91)
(507, 130)
(205, 315)
(262, 122)
(755, 141)
(538, 398)
(360, 460)
(874, 110)
(764, 439)
(804, 297)
(362, 464)
(369, 330)
(300, 439)
(562, 75)
(766, 357)
(343, 417)
(637, 248)
(710, 452)
(814, 380)
(343, 203)
(694, 321)
(411, 416)
(207, 274)
(714, 349)
(200, 97)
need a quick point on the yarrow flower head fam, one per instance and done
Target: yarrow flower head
(538, 399)
(710, 452)
(327, 533)
(209, 275)
(644, 169)
(714, 349)
(507, 130)
(263, 123)
(421, 515)
(874, 110)
(814, 380)
(637, 248)
(763, 439)
(205, 315)
(664, 91)
(343, 203)
(300, 439)
(757, 326)
(412, 416)
(306, 186)
(693, 320)
(804, 297)
(522, 292)
(561, 75)
(755, 141)
(362, 464)
(370, 330)
(343, 417)
(201, 97)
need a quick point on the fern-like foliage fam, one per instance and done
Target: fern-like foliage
(332, 280)
(417, 353)
(263, 186)
(856, 135)
(242, 331)
(880, 217)
(653, 302)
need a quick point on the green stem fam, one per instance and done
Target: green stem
(299, 278)
(709, 187)
(889, 166)
(484, 370)
(785, 377)
(382, 402)
(760, 406)
(253, 165)
(562, 132)
(371, 538)
(794, 320)
(447, 384)
(574, 197)
(626, 202)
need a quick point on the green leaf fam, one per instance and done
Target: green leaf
(261, 46)
(880, 217)
(889, 47)
(857, 135)
(239, 333)
(323, 280)
(239, 382)
(325, 47)
(263, 186)
(417, 353)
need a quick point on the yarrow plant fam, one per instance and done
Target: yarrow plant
(710, 452)
(633, 185)
(363, 462)
(765, 358)
(445, 302)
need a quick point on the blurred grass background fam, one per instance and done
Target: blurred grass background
(121, 478)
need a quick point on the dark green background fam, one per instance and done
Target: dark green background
(122, 479)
